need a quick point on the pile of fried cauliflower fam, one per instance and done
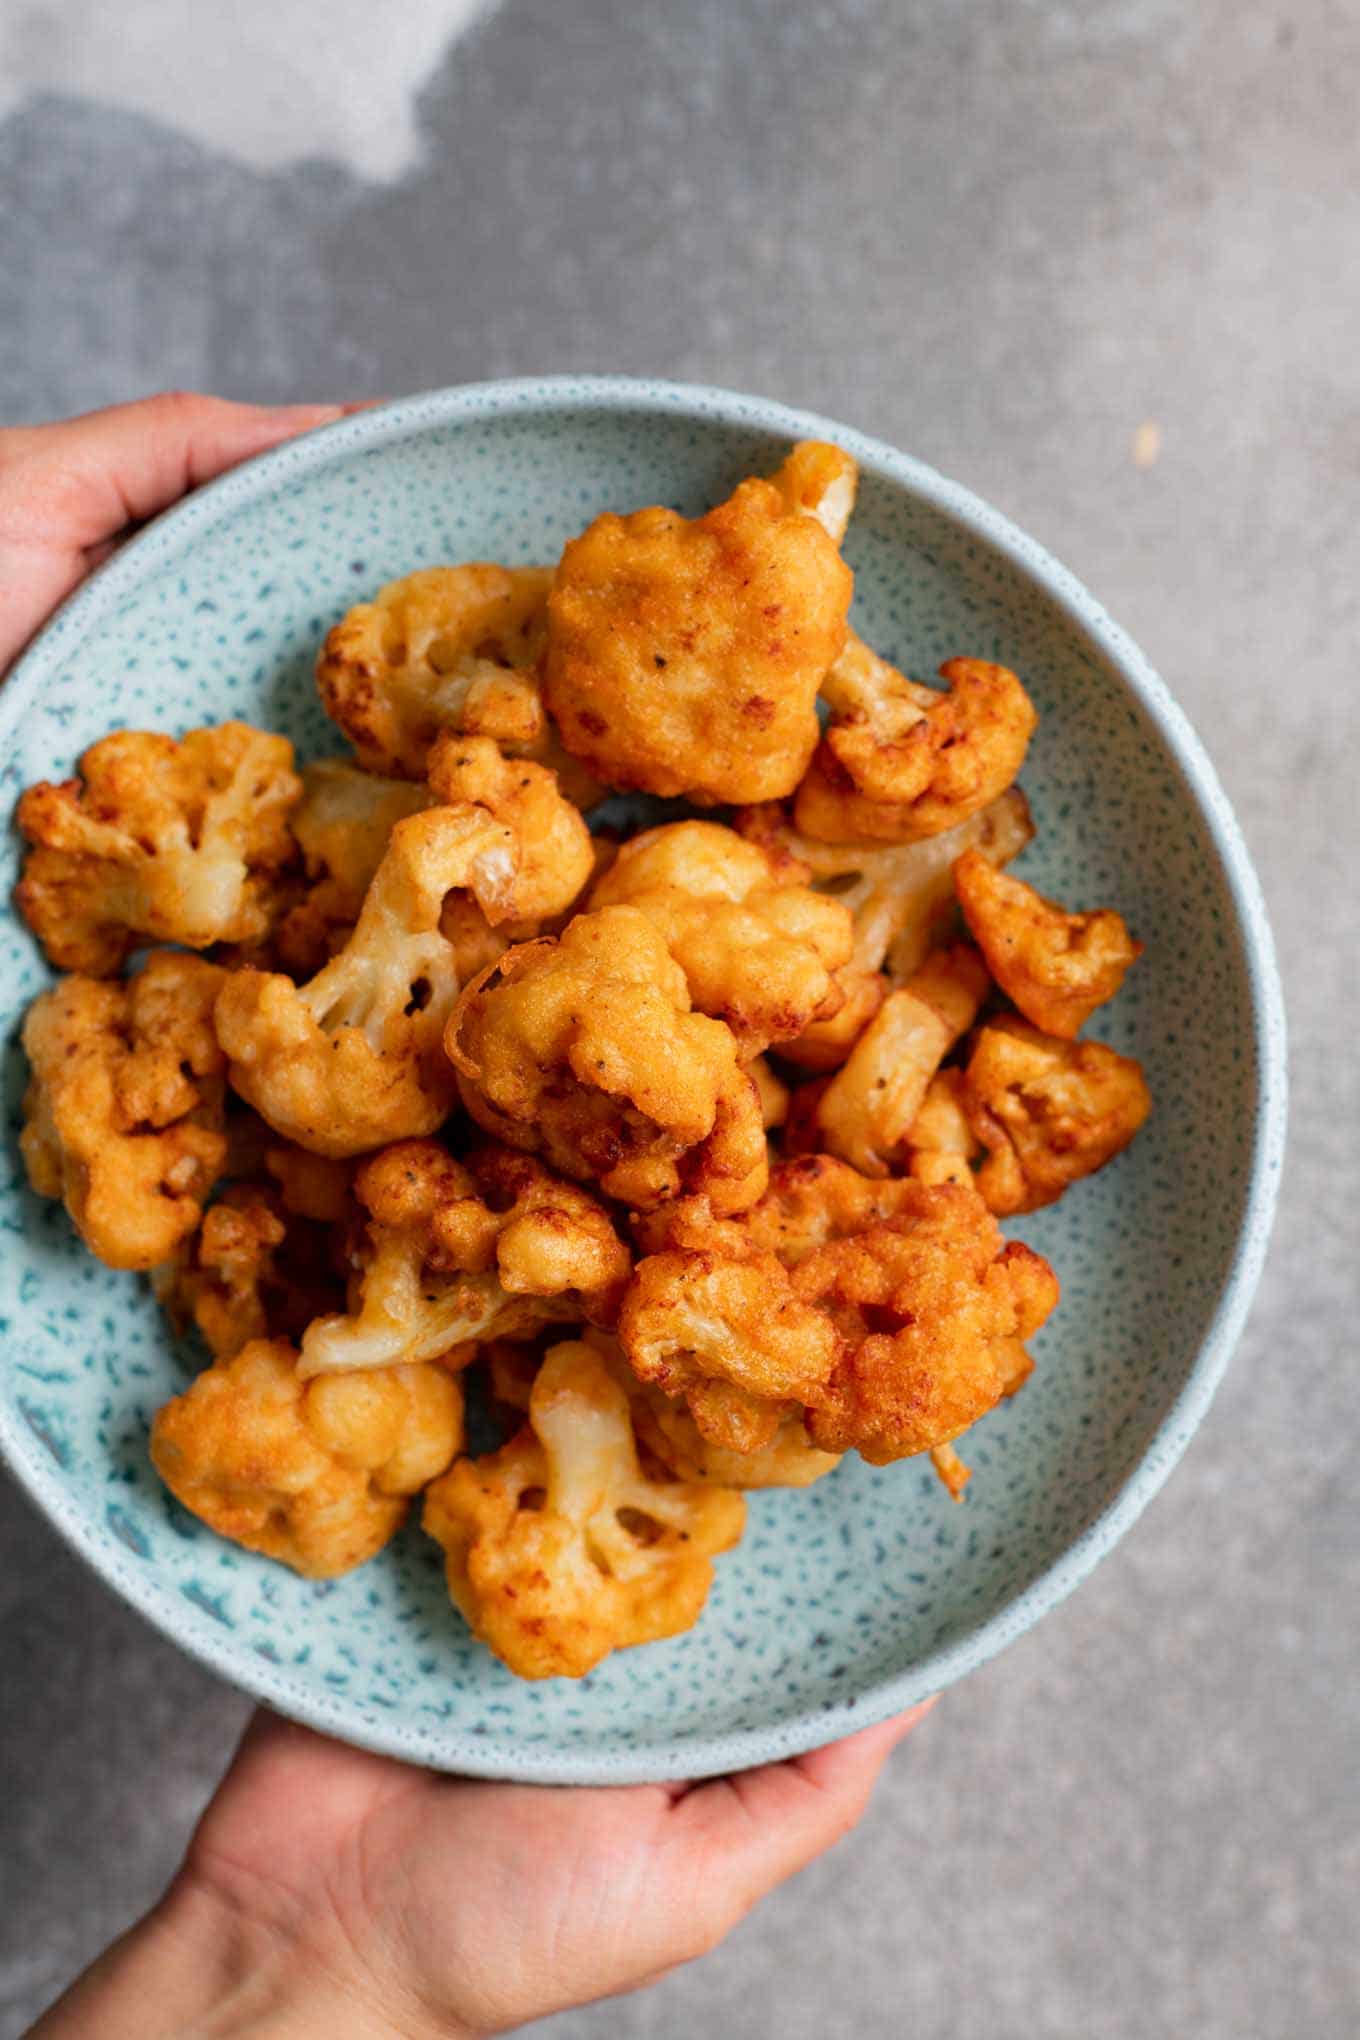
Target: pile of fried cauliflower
(694, 1141)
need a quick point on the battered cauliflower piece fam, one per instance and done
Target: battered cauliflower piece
(940, 1143)
(759, 949)
(719, 1325)
(558, 1548)
(900, 761)
(586, 1049)
(820, 480)
(1047, 1111)
(157, 840)
(253, 1270)
(900, 897)
(685, 657)
(931, 1308)
(352, 1059)
(772, 1092)
(455, 1253)
(665, 1429)
(867, 1109)
(1055, 966)
(447, 648)
(314, 1474)
(556, 860)
(124, 1109)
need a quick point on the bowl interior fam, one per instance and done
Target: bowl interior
(871, 1588)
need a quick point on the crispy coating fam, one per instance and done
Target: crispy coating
(1056, 967)
(900, 897)
(820, 480)
(930, 1308)
(867, 1109)
(253, 1270)
(314, 1474)
(453, 1253)
(665, 1429)
(447, 648)
(558, 1548)
(685, 657)
(586, 1049)
(719, 1325)
(157, 840)
(900, 761)
(556, 860)
(352, 1059)
(901, 1303)
(759, 949)
(124, 1108)
(1047, 1111)
(772, 1092)
(940, 1144)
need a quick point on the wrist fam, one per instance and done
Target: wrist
(199, 1967)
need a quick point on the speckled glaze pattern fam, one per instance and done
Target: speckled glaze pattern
(871, 1590)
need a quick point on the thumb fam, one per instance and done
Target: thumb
(66, 489)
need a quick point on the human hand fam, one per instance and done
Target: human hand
(68, 491)
(329, 1891)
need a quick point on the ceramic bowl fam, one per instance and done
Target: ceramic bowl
(871, 1589)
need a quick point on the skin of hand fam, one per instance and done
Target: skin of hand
(329, 1892)
(69, 491)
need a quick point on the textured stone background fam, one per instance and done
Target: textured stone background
(1003, 236)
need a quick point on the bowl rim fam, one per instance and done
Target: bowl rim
(680, 1755)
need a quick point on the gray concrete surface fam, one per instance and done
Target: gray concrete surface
(1003, 236)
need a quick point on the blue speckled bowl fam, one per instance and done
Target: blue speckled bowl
(872, 1589)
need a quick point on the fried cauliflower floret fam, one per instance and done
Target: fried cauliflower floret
(759, 949)
(1047, 1111)
(586, 1050)
(1055, 966)
(157, 840)
(867, 1109)
(556, 859)
(353, 1058)
(665, 1428)
(940, 1144)
(492, 1248)
(900, 897)
(124, 1108)
(772, 1092)
(900, 761)
(932, 1308)
(685, 657)
(447, 648)
(558, 1549)
(314, 1474)
(719, 1325)
(253, 1270)
(820, 480)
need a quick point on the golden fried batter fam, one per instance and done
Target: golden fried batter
(930, 1307)
(900, 761)
(940, 1144)
(171, 842)
(558, 1549)
(495, 1248)
(685, 658)
(124, 1109)
(867, 1109)
(556, 859)
(900, 897)
(447, 648)
(1057, 967)
(253, 1270)
(353, 1058)
(314, 1474)
(1048, 1111)
(759, 949)
(586, 1049)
